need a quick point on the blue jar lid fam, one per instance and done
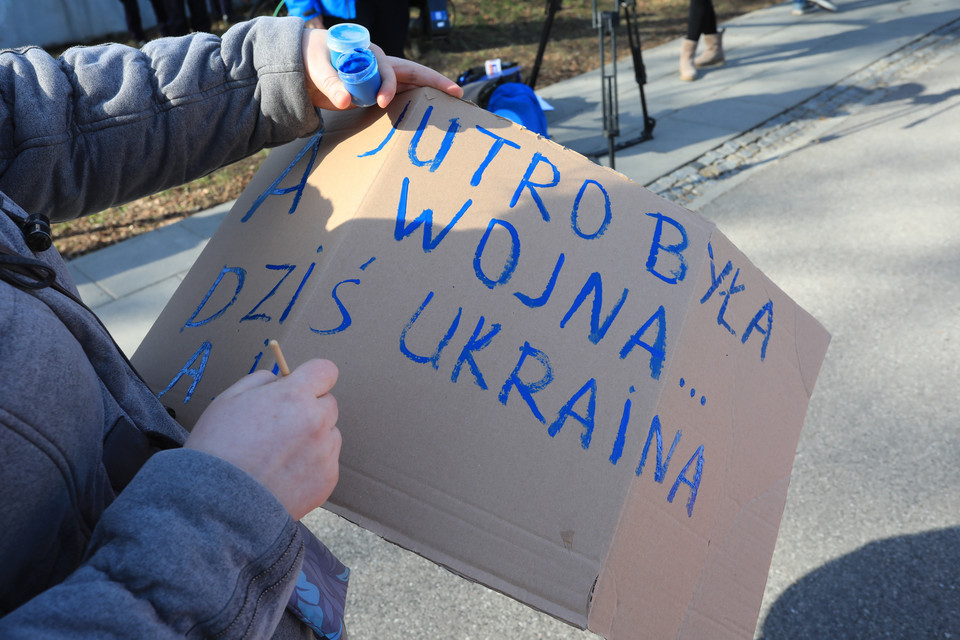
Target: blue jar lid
(347, 36)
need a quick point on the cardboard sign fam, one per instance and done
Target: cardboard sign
(552, 381)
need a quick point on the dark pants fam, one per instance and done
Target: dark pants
(131, 10)
(702, 19)
(160, 10)
(221, 7)
(177, 17)
(388, 21)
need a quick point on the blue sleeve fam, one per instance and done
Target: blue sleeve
(303, 8)
(345, 9)
(306, 9)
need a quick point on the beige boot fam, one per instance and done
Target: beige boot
(687, 70)
(713, 50)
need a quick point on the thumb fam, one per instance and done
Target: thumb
(323, 84)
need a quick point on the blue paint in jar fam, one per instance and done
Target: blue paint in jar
(343, 38)
(360, 73)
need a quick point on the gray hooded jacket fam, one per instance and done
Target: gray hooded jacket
(87, 548)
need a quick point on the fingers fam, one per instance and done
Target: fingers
(329, 413)
(326, 89)
(388, 77)
(314, 376)
(410, 74)
(281, 430)
(398, 75)
(332, 93)
(246, 383)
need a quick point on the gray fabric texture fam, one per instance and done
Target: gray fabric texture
(192, 546)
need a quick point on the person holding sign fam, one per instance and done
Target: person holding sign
(116, 523)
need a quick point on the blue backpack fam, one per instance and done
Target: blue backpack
(517, 102)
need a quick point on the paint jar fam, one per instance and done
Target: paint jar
(359, 72)
(344, 38)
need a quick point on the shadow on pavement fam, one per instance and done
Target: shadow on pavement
(914, 101)
(901, 588)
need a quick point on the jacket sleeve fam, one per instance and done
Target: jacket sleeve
(107, 124)
(193, 547)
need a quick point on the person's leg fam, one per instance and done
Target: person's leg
(702, 19)
(712, 39)
(221, 10)
(131, 11)
(388, 22)
(695, 17)
(176, 18)
(199, 15)
(226, 8)
(160, 11)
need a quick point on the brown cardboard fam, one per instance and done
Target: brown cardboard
(463, 454)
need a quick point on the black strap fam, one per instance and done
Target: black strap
(25, 273)
(126, 448)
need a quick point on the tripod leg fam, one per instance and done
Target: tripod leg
(552, 7)
(639, 70)
(611, 108)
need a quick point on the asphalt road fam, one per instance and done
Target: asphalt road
(862, 228)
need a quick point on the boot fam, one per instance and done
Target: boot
(688, 71)
(713, 50)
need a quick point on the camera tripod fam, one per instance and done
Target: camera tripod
(606, 24)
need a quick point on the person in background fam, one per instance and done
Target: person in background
(387, 20)
(160, 11)
(222, 10)
(131, 12)
(177, 22)
(702, 20)
(117, 523)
